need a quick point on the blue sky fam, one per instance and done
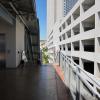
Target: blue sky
(41, 13)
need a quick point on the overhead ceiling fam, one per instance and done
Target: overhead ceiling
(22, 6)
(26, 9)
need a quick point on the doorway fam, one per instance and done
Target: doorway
(2, 51)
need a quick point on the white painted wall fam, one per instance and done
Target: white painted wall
(20, 32)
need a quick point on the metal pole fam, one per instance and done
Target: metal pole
(77, 85)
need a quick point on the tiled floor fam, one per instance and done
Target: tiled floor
(32, 83)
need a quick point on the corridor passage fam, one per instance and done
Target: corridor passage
(32, 83)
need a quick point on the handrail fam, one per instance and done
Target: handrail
(77, 69)
(82, 70)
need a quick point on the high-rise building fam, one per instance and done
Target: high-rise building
(76, 32)
(54, 15)
(68, 5)
(56, 12)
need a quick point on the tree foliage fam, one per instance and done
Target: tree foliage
(45, 56)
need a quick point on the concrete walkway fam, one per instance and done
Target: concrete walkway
(32, 83)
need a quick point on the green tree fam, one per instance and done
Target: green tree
(45, 56)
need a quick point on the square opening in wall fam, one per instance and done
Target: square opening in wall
(88, 66)
(60, 29)
(69, 46)
(88, 4)
(76, 13)
(64, 47)
(63, 36)
(76, 60)
(64, 25)
(60, 38)
(76, 29)
(69, 21)
(89, 23)
(76, 45)
(60, 47)
(68, 33)
(89, 45)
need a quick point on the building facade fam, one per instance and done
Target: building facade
(77, 33)
(19, 31)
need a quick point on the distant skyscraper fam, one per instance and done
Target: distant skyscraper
(68, 5)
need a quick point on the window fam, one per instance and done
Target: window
(76, 45)
(89, 23)
(64, 47)
(69, 34)
(60, 29)
(89, 45)
(60, 38)
(69, 21)
(87, 4)
(88, 66)
(63, 36)
(64, 26)
(76, 14)
(76, 29)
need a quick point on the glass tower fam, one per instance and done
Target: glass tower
(68, 5)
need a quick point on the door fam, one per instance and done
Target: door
(2, 51)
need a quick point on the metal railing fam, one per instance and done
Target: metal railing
(83, 85)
